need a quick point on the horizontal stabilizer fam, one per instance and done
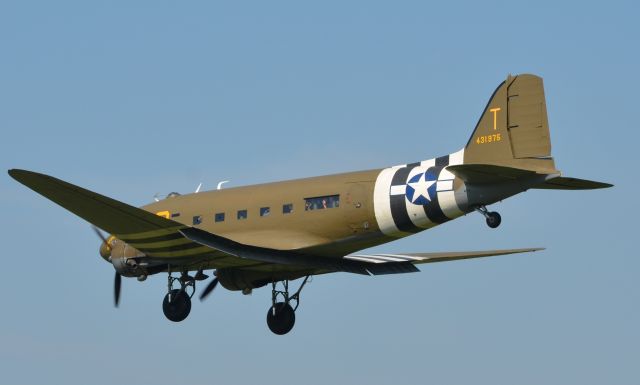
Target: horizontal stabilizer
(488, 173)
(563, 183)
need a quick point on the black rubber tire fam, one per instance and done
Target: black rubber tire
(494, 220)
(283, 320)
(179, 307)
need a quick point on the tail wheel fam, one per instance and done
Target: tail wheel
(493, 219)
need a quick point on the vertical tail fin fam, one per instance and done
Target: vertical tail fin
(513, 130)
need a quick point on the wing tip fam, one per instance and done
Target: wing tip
(14, 172)
(570, 183)
(19, 174)
(527, 250)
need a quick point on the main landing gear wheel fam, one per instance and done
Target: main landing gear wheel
(282, 315)
(280, 318)
(176, 305)
(493, 218)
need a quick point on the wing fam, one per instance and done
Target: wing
(416, 258)
(156, 237)
(165, 240)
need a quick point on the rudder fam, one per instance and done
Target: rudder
(513, 130)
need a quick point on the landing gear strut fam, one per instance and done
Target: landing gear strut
(177, 303)
(493, 218)
(281, 315)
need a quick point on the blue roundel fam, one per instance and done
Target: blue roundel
(421, 188)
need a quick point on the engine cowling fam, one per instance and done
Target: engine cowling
(127, 267)
(124, 259)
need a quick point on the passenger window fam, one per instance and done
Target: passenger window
(175, 215)
(242, 214)
(197, 219)
(264, 211)
(320, 203)
(287, 209)
(219, 217)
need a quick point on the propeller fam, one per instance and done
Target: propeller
(117, 282)
(207, 290)
(105, 247)
(99, 233)
(105, 252)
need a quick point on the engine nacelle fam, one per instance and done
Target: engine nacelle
(124, 259)
(127, 267)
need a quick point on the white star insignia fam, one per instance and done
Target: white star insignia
(421, 188)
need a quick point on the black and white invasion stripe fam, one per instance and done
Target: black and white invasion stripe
(396, 215)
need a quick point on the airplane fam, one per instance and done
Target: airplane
(274, 233)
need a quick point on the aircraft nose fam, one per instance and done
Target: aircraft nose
(105, 246)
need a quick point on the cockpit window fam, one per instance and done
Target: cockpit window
(320, 203)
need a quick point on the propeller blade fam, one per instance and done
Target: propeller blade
(117, 282)
(99, 234)
(207, 290)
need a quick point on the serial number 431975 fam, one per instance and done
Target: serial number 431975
(488, 138)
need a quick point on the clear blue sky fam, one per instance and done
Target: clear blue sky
(136, 98)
